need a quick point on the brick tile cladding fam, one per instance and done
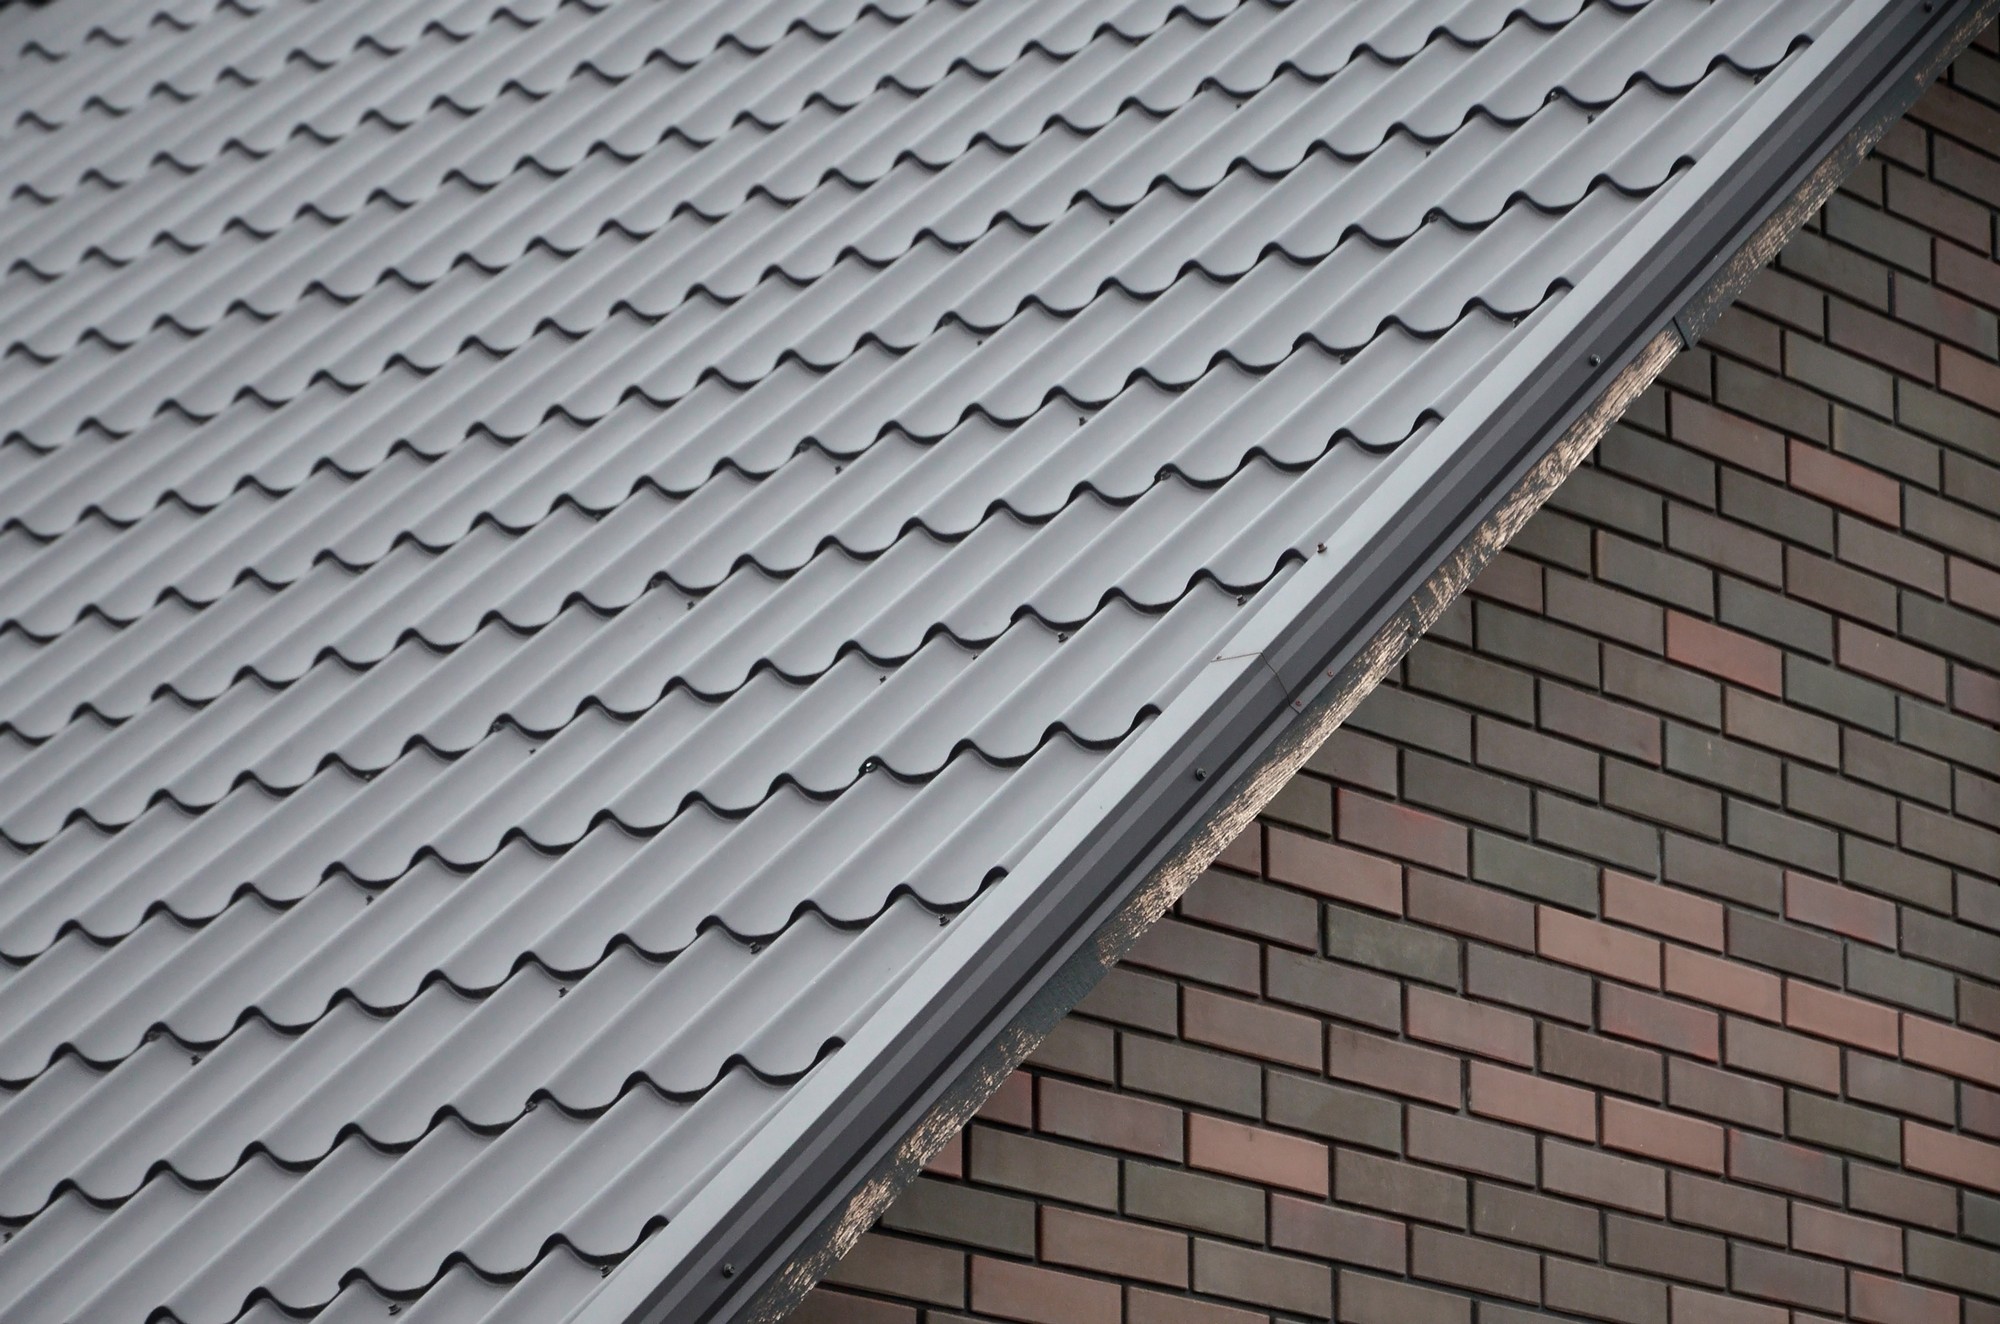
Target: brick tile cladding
(1634, 953)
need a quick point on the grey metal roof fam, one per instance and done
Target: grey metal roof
(554, 551)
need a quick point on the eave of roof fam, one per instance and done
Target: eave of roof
(783, 1211)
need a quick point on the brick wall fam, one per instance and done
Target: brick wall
(1634, 954)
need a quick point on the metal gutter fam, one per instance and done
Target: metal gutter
(797, 1196)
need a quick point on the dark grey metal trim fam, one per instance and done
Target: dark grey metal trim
(1268, 710)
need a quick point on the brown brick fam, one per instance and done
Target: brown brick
(1727, 1207)
(1832, 1015)
(1303, 802)
(1113, 1246)
(1951, 1050)
(1842, 909)
(1013, 1104)
(1452, 1141)
(1765, 1051)
(1631, 1014)
(1399, 1188)
(1892, 344)
(1600, 1062)
(1601, 948)
(1535, 1220)
(1656, 1133)
(825, 1306)
(1031, 1293)
(1255, 1154)
(1846, 484)
(1366, 1299)
(1330, 1233)
(1693, 1306)
(1077, 1047)
(949, 1161)
(1278, 1281)
(1785, 1167)
(1194, 952)
(1778, 1276)
(1725, 653)
(1971, 274)
(1446, 1019)
(1727, 436)
(1969, 377)
(1482, 1266)
(1605, 1293)
(1663, 910)
(1532, 1101)
(1842, 1236)
(1252, 1028)
(1947, 1154)
(1669, 1251)
(1898, 1195)
(1889, 659)
(1601, 1178)
(1116, 1121)
(969, 1215)
(1334, 871)
(1723, 983)
(1389, 1064)
(1144, 1306)
(1478, 912)
(906, 1268)
(1880, 1300)
(1595, 721)
(1410, 834)
(1126, 997)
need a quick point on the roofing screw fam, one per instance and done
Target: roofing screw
(868, 765)
(1062, 637)
(1595, 360)
(1201, 774)
(563, 992)
(756, 947)
(604, 1271)
(728, 1271)
(395, 1308)
(1319, 549)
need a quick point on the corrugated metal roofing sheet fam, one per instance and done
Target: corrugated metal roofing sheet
(551, 548)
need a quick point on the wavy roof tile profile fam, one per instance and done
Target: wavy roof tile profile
(573, 572)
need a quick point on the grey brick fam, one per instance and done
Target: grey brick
(1725, 544)
(1126, 997)
(1399, 1188)
(1598, 833)
(969, 1215)
(1711, 758)
(1500, 976)
(1950, 943)
(1191, 1075)
(1663, 799)
(1947, 523)
(1784, 946)
(1536, 643)
(1335, 1112)
(1602, 1062)
(1842, 588)
(1656, 574)
(1670, 468)
(1767, 505)
(1277, 914)
(1727, 1095)
(1954, 840)
(1412, 719)
(1465, 792)
(1972, 482)
(1887, 977)
(1078, 1047)
(1692, 372)
(1605, 1293)
(1900, 1088)
(1896, 873)
(1782, 620)
(1779, 1276)
(1923, 410)
(1883, 446)
(1888, 553)
(1304, 802)
(1663, 1249)
(1670, 689)
(1472, 680)
(1747, 716)
(1778, 836)
(1842, 694)
(1840, 802)
(1605, 499)
(1391, 945)
(1879, 234)
(1532, 756)
(1781, 404)
(1838, 268)
(1590, 718)
(1722, 873)
(1336, 990)
(1727, 1207)
(1358, 760)
(1534, 1220)
(1956, 1264)
(1949, 735)
(1192, 1200)
(1452, 1141)
(1534, 872)
(1600, 610)
(1041, 1167)
(1556, 538)
(1818, 1120)
(1838, 376)
(1953, 631)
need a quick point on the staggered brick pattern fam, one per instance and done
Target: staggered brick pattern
(1634, 955)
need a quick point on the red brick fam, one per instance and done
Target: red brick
(1693, 1306)
(1255, 1154)
(1842, 909)
(1630, 1014)
(1889, 659)
(1663, 910)
(1408, 834)
(1721, 983)
(1590, 1174)
(1441, 1018)
(1591, 945)
(1114, 1246)
(1116, 1121)
(1886, 1301)
(1148, 1307)
(1725, 653)
(1762, 1050)
(1969, 377)
(1532, 1101)
(1656, 1133)
(1346, 1235)
(1726, 436)
(1389, 1064)
(949, 1161)
(1948, 1154)
(1335, 871)
(1013, 1104)
(1844, 483)
(1042, 1296)
(1841, 1016)
(1951, 1050)
(1250, 1027)
(1842, 1236)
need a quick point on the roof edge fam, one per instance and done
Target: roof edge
(779, 1215)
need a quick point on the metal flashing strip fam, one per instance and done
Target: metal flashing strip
(779, 1215)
